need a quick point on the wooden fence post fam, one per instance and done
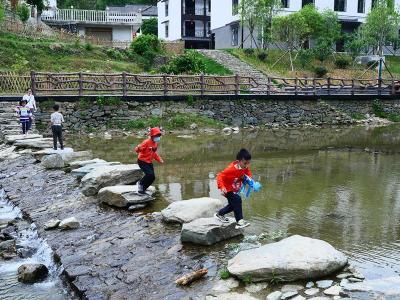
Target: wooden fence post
(314, 87)
(393, 87)
(124, 86)
(379, 86)
(295, 85)
(237, 84)
(33, 82)
(202, 84)
(165, 85)
(329, 85)
(352, 87)
(269, 86)
(80, 84)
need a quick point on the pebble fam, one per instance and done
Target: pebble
(310, 284)
(291, 287)
(311, 291)
(274, 296)
(288, 295)
(323, 284)
(256, 287)
(333, 291)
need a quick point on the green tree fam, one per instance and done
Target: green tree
(1, 12)
(313, 22)
(23, 12)
(266, 11)
(37, 3)
(249, 19)
(328, 33)
(150, 26)
(381, 26)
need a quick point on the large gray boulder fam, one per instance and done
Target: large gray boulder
(53, 161)
(124, 195)
(12, 138)
(293, 258)
(104, 176)
(208, 231)
(86, 169)
(31, 273)
(188, 210)
(39, 143)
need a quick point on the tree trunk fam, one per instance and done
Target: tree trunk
(189, 278)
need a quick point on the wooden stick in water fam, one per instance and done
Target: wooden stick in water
(189, 278)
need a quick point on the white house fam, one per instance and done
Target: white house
(227, 31)
(187, 20)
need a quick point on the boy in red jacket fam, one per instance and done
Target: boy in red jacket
(147, 151)
(229, 181)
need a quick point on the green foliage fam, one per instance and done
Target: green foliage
(188, 63)
(114, 54)
(84, 103)
(262, 56)
(342, 63)
(378, 110)
(224, 273)
(38, 3)
(247, 279)
(275, 279)
(1, 12)
(190, 100)
(150, 26)
(108, 101)
(23, 12)
(355, 44)
(305, 57)
(88, 47)
(146, 44)
(47, 104)
(393, 118)
(357, 116)
(323, 50)
(313, 22)
(320, 71)
(249, 51)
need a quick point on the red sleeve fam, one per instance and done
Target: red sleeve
(221, 177)
(140, 147)
(157, 157)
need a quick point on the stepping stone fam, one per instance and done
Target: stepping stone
(105, 176)
(323, 284)
(53, 161)
(225, 285)
(82, 171)
(40, 143)
(124, 196)
(38, 155)
(274, 296)
(208, 231)
(293, 258)
(288, 295)
(256, 287)
(311, 291)
(188, 210)
(291, 287)
(333, 291)
(13, 138)
(82, 163)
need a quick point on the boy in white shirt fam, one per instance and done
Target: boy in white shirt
(56, 127)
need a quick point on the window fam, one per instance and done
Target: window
(235, 7)
(361, 6)
(285, 3)
(166, 8)
(235, 35)
(340, 5)
(305, 2)
(373, 3)
(166, 30)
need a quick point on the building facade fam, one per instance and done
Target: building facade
(187, 20)
(225, 22)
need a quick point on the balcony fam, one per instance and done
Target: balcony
(197, 11)
(61, 16)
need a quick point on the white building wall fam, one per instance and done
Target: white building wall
(122, 33)
(221, 13)
(174, 20)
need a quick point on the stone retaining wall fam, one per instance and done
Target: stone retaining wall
(240, 112)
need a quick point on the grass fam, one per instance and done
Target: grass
(224, 273)
(171, 122)
(212, 67)
(282, 68)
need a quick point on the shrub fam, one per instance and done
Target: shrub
(248, 51)
(224, 273)
(189, 63)
(342, 63)
(320, 71)
(305, 57)
(88, 46)
(262, 56)
(378, 110)
(150, 26)
(114, 54)
(23, 12)
(1, 11)
(146, 43)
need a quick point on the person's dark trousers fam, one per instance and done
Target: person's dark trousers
(234, 204)
(149, 176)
(57, 135)
(30, 123)
(24, 126)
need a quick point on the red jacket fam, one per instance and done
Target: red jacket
(231, 178)
(147, 151)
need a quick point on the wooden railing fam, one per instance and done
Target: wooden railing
(126, 84)
(91, 16)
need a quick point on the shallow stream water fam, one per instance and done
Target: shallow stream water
(341, 185)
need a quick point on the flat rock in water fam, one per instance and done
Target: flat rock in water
(124, 195)
(388, 286)
(333, 291)
(323, 284)
(51, 224)
(208, 231)
(274, 296)
(92, 182)
(82, 171)
(53, 161)
(288, 295)
(38, 155)
(69, 223)
(224, 286)
(39, 143)
(76, 156)
(31, 273)
(232, 296)
(291, 287)
(7, 246)
(137, 207)
(82, 163)
(256, 287)
(311, 291)
(188, 210)
(291, 259)
(13, 138)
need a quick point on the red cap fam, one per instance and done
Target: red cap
(155, 131)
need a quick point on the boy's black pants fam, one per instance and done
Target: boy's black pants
(234, 204)
(57, 135)
(149, 176)
(25, 127)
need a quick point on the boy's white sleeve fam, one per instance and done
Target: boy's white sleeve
(62, 118)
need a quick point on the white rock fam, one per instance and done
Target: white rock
(291, 287)
(291, 259)
(193, 126)
(69, 223)
(323, 284)
(82, 163)
(274, 296)
(333, 291)
(299, 297)
(82, 171)
(256, 287)
(38, 155)
(344, 275)
(387, 286)
(235, 129)
(311, 291)
(288, 295)
(319, 298)
(208, 231)
(337, 297)
(39, 143)
(310, 284)
(104, 176)
(5, 154)
(53, 161)
(124, 195)
(188, 210)
(51, 224)
(12, 138)
(227, 130)
(76, 156)
(224, 286)
(235, 296)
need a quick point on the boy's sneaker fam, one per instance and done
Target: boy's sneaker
(223, 219)
(139, 187)
(242, 224)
